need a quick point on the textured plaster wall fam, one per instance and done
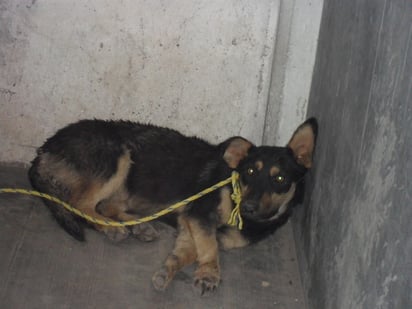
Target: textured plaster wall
(202, 67)
(208, 68)
(355, 231)
(292, 70)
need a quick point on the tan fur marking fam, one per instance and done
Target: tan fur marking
(259, 165)
(116, 204)
(205, 241)
(225, 207)
(97, 191)
(302, 145)
(184, 253)
(274, 171)
(208, 270)
(236, 151)
(87, 200)
(184, 246)
(232, 238)
(60, 170)
(117, 180)
(271, 202)
(116, 210)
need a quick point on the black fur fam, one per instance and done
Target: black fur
(167, 167)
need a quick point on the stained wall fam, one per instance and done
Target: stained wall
(202, 67)
(354, 232)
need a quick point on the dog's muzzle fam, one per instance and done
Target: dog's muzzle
(249, 208)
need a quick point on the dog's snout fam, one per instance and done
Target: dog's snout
(250, 207)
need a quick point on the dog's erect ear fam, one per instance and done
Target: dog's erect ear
(236, 148)
(303, 142)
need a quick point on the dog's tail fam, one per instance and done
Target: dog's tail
(47, 184)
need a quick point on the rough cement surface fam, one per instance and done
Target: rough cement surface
(292, 69)
(355, 234)
(42, 267)
(202, 67)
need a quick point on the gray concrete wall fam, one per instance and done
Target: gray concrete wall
(355, 231)
(293, 62)
(203, 67)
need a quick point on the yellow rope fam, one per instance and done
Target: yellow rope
(235, 217)
(235, 196)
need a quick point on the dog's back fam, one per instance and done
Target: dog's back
(93, 160)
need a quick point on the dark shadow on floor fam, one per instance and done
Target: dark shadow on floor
(42, 267)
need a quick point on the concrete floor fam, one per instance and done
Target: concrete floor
(42, 267)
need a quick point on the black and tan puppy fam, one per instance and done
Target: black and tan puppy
(123, 170)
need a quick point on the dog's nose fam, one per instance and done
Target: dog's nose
(250, 207)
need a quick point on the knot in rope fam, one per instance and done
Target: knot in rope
(235, 217)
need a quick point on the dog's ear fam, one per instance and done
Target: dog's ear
(236, 148)
(303, 142)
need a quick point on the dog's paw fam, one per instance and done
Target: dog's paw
(161, 279)
(206, 283)
(145, 232)
(116, 234)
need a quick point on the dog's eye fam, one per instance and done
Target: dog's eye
(279, 179)
(250, 171)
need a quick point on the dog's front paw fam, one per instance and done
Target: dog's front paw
(145, 232)
(206, 282)
(161, 279)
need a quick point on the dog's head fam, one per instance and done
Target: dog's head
(269, 175)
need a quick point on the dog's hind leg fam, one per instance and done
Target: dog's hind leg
(184, 253)
(87, 205)
(99, 190)
(116, 209)
(82, 189)
(51, 175)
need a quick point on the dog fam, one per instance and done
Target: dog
(122, 170)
